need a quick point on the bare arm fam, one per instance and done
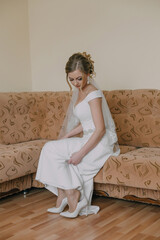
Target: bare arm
(96, 110)
(74, 131)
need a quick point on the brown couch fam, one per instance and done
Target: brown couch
(28, 120)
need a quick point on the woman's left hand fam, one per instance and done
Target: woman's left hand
(75, 158)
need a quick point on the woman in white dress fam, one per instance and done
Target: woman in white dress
(67, 165)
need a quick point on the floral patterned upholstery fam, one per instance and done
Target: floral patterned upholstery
(100, 177)
(137, 168)
(29, 119)
(137, 116)
(30, 116)
(20, 159)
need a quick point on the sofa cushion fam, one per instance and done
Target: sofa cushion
(126, 149)
(138, 168)
(17, 160)
(123, 149)
(137, 116)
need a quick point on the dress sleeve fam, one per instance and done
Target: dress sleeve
(93, 95)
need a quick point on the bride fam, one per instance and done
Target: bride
(67, 165)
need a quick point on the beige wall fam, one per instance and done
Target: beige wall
(15, 70)
(123, 37)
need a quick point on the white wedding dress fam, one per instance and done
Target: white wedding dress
(53, 168)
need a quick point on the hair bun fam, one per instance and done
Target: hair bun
(88, 57)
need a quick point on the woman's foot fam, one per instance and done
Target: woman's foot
(60, 208)
(80, 205)
(61, 202)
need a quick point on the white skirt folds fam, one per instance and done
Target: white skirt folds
(55, 172)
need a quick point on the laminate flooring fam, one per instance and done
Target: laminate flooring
(26, 219)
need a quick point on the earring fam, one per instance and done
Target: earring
(88, 80)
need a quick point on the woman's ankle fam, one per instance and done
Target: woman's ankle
(61, 193)
(59, 200)
(73, 197)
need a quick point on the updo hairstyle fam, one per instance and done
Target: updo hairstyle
(81, 62)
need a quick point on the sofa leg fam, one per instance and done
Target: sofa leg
(25, 193)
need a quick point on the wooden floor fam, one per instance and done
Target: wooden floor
(26, 219)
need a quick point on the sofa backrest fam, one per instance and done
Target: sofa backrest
(137, 116)
(31, 115)
(35, 115)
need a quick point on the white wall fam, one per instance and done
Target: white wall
(122, 36)
(15, 69)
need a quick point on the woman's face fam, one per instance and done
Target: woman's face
(78, 79)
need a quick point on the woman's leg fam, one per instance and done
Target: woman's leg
(61, 196)
(73, 196)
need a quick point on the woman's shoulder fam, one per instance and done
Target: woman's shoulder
(91, 88)
(93, 93)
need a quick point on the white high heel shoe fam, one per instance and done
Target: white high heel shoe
(60, 208)
(80, 205)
